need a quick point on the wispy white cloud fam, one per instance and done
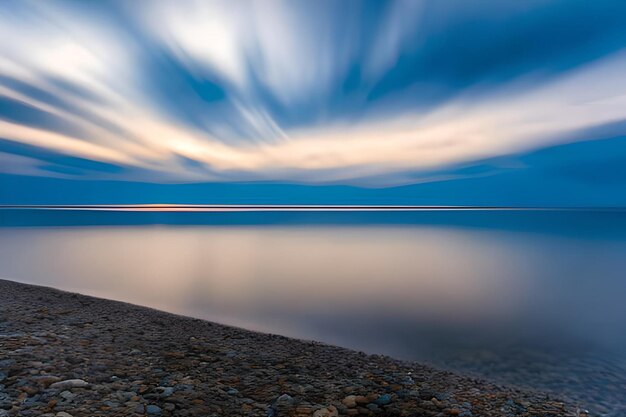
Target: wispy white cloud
(275, 70)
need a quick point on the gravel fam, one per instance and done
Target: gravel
(64, 354)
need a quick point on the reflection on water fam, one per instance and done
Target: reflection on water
(540, 305)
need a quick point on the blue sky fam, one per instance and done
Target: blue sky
(421, 100)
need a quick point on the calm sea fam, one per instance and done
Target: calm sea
(529, 297)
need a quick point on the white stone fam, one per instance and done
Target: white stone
(69, 384)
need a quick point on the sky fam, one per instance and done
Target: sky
(437, 101)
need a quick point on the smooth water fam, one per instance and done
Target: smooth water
(533, 298)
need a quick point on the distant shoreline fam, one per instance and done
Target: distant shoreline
(283, 207)
(132, 358)
(566, 220)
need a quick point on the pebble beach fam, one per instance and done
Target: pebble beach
(64, 354)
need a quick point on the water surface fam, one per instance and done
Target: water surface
(529, 297)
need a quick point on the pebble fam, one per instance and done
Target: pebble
(362, 400)
(223, 371)
(372, 407)
(46, 380)
(69, 384)
(349, 401)
(165, 392)
(284, 399)
(383, 399)
(67, 396)
(330, 411)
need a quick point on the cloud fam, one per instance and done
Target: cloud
(319, 92)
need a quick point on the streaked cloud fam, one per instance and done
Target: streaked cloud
(319, 92)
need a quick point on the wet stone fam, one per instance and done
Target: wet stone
(153, 410)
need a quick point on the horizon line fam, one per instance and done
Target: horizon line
(286, 207)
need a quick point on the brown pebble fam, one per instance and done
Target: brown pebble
(360, 399)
